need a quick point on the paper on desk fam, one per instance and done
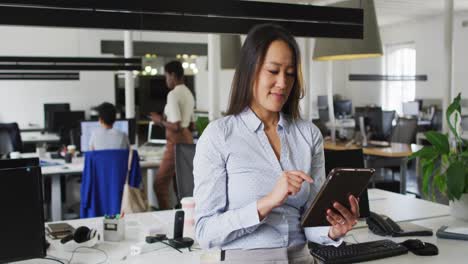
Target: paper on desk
(458, 230)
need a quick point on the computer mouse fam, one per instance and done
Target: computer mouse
(420, 248)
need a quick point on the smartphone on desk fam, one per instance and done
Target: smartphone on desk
(340, 184)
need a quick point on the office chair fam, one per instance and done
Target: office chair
(387, 123)
(436, 121)
(103, 180)
(184, 154)
(10, 138)
(353, 158)
(404, 132)
(321, 126)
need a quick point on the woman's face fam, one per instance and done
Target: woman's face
(275, 78)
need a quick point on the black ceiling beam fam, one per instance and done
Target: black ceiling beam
(131, 21)
(380, 77)
(208, 16)
(224, 8)
(76, 60)
(69, 63)
(65, 76)
(66, 67)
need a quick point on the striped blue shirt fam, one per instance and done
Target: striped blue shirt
(235, 165)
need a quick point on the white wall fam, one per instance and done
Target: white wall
(428, 36)
(22, 101)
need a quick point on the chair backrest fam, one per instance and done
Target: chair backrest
(464, 122)
(184, 154)
(10, 138)
(6, 145)
(436, 121)
(387, 121)
(103, 180)
(323, 115)
(405, 130)
(321, 126)
(353, 158)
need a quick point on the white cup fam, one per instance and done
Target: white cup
(15, 155)
(41, 152)
(188, 205)
(71, 149)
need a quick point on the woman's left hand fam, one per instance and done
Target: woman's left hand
(343, 222)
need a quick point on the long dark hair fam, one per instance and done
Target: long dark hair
(252, 56)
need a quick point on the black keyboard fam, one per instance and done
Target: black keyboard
(353, 253)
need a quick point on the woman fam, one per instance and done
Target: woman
(178, 113)
(257, 169)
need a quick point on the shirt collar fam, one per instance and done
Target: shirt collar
(177, 86)
(254, 123)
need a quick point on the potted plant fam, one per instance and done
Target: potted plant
(445, 163)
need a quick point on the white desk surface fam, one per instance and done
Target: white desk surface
(404, 208)
(76, 167)
(451, 251)
(77, 164)
(37, 137)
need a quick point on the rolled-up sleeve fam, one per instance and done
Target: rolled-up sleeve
(318, 234)
(215, 225)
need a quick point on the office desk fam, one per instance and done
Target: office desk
(451, 251)
(76, 167)
(38, 137)
(396, 151)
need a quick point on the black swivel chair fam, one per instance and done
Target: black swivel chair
(404, 132)
(387, 123)
(436, 121)
(353, 158)
(10, 138)
(184, 154)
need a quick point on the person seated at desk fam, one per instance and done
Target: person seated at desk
(259, 168)
(106, 137)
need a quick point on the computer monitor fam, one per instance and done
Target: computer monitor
(153, 92)
(67, 126)
(126, 126)
(156, 134)
(21, 200)
(66, 120)
(49, 109)
(411, 108)
(343, 107)
(18, 163)
(373, 120)
(322, 101)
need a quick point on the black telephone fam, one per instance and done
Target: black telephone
(381, 225)
(384, 226)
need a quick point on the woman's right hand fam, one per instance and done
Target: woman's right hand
(289, 183)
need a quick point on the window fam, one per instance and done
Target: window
(400, 59)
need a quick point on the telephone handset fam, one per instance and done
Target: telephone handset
(382, 225)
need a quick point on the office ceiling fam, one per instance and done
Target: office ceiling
(395, 11)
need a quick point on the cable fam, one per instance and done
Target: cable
(171, 246)
(351, 235)
(76, 249)
(59, 261)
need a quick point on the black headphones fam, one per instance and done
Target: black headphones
(81, 234)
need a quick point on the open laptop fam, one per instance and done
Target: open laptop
(156, 135)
